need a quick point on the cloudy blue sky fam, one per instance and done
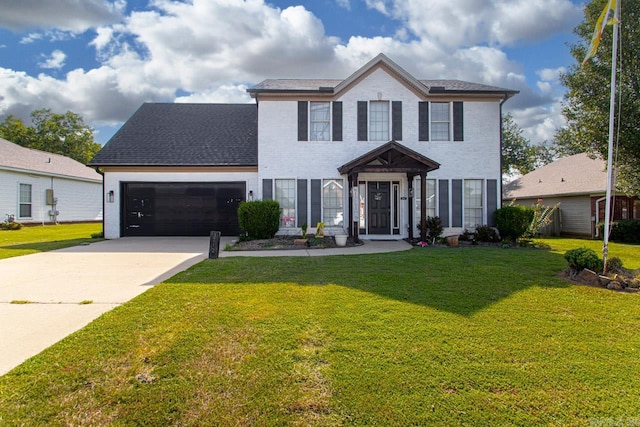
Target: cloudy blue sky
(103, 58)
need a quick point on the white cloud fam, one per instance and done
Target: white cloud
(56, 60)
(67, 15)
(346, 4)
(210, 51)
(493, 22)
(550, 74)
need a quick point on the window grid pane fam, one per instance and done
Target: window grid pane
(320, 121)
(286, 196)
(440, 121)
(378, 121)
(332, 192)
(431, 198)
(473, 209)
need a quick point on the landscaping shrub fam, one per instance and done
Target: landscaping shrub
(582, 258)
(513, 221)
(434, 228)
(11, 225)
(260, 219)
(614, 264)
(484, 233)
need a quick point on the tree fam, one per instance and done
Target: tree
(64, 134)
(518, 155)
(586, 103)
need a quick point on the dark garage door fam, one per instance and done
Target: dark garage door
(181, 208)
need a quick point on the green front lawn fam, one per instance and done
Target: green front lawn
(43, 238)
(629, 254)
(432, 336)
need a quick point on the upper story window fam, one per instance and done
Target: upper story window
(440, 122)
(24, 201)
(319, 121)
(378, 121)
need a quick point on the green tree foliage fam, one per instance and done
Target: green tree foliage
(586, 104)
(518, 154)
(64, 134)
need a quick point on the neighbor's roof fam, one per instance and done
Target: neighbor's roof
(332, 87)
(185, 135)
(573, 175)
(27, 160)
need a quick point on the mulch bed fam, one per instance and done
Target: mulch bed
(289, 243)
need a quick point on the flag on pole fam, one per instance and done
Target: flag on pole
(607, 17)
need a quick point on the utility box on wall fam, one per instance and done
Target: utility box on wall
(49, 196)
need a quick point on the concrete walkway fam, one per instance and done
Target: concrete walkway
(62, 291)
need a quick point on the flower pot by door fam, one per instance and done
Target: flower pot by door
(341, 239)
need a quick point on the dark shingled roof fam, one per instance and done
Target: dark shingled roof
(185, 135)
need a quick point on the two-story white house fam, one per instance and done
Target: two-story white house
(372, 155)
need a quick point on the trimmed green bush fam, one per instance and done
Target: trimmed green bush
(582, 258)
(614, 264)
(513, 221)
(484, 233)
(260, 219)
(12, 226)
(625, 231)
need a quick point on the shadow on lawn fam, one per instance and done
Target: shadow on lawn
(461, 280)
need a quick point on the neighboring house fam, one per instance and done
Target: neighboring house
(372, 155)
(579, 184)
(41, 187)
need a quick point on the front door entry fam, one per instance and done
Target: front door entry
(379, 208)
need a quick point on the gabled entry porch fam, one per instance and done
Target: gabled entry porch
(383, 200)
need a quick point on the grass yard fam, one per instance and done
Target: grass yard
(629, 254)
(41, 238)
(431, 336)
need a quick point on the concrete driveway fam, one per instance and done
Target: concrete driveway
(55, 284)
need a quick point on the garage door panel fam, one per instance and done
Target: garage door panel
(181, 209)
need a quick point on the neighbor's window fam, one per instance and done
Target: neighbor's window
(431, 198)
(440, 121)
(332, 208)
(472, 203)
(286, 196)
(378, 121)
(24, 201)
(319, 121)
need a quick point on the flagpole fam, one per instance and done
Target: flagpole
(607, 212)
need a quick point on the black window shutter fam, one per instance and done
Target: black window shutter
(458, 122)
(362, 120)
(337, 120)
(423, 121)
(492, 201)
(302, 202)
(396, 120)
(456, 203)
(267, 189)
(316, 202)
(443, 201)
(303, 121)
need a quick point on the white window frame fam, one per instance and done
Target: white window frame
(287, 212)
(332, 207)
(379, 121)
(433, 122)
(432, 198)
(325, 135)
(473, 212)
(22, 202)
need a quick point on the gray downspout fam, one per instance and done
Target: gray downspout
(104, 214)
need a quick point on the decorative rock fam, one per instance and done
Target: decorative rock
(615, 286)
(605, 280)
(300, 242)
(589, 277)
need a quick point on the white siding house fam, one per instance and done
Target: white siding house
(41, 187)
(371, 155)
